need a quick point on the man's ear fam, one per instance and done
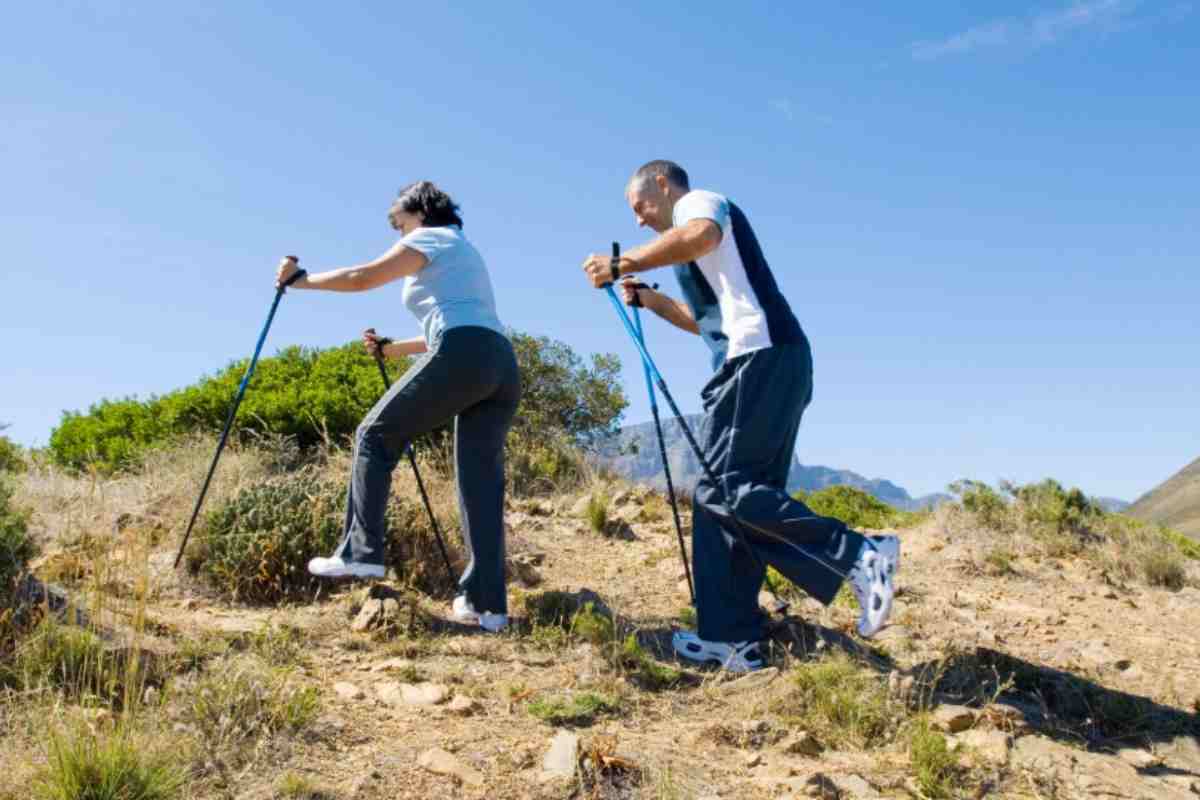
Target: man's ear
(663, 184)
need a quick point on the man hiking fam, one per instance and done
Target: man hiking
(753, 405)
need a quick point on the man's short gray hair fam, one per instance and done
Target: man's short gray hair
(674, 173)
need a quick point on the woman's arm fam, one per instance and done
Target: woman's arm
(405, 347)
(396, 263)
(390, 348)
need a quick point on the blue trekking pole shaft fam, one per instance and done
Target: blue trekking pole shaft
(237, 401)
(412, 460)
(662, 451)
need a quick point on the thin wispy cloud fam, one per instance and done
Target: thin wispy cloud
(1040, 30)
(790, 111)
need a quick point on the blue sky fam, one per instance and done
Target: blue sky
(985, 215)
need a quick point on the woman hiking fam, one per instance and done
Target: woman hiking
(466, 372)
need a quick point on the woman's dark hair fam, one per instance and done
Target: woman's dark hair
(426, 199)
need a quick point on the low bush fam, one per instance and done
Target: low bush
(17, 547)
(935, 768)
(858, 509)
(12, 456)
(256, 546)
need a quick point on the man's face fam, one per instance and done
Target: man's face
(651, 204)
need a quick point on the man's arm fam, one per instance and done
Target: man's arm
(697, 238)
(670, 309)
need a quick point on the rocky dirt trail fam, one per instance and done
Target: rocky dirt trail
(439, 710)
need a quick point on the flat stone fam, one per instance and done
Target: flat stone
(1140, 759)
(440, 762)
(953, 718)
(391, 664)
(411, 694)
(746, 683)
(992, 746)
(462, 705)
(560, 760)
(856, 786)
(752, 760)
(803, 744)
(347, 691)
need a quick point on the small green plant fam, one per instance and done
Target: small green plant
(75, 662)
(579, 710)
(999, 561)
(293, 786)
(282, 646)
(643, 671)
(934, 766)
(592, 626)
(597, 511)
(551, 608)
(844, 704)
(84, 766)
(687, 614)
(241, 701)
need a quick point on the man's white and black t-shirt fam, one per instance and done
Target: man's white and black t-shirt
(731, 291)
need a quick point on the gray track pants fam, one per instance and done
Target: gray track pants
(470, 375)
(753, 406)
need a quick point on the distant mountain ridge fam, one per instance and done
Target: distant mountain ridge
(1175, 502)
(633, 454)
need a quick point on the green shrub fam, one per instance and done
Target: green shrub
(542, 464)
(311, 394)
(560, 393)
(85, 766)
(12, 457)
(983, 502)
(1050, 506)
(301, 393)
(856, 508)
(16, 545)
(256, 546)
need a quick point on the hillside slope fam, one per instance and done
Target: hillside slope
(1175, 502)
(1052, 676)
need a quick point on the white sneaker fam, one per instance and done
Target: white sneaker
(337, 568)
(733, 656)
(871, 579)
(464, 612)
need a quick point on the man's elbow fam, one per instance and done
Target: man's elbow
(706, 237)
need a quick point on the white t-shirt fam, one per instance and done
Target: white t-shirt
(753, 313)
(453, 290)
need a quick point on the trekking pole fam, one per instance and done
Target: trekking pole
(237, 401)
(412, 459)
(662, 448)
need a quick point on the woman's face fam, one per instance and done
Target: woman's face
(405, 222)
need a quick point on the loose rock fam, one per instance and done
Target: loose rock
(953, 718)
(561, 758)
(347, 691)
(440, 762)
